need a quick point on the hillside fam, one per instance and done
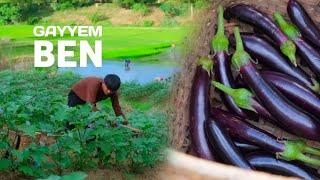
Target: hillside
(111, 14)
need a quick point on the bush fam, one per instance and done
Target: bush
(170, 9)
(200, 4)
(33, 20)
(9, 14)
(169, 21)
(97, 17)
(148, 23)
(125, 3)
(141, 8)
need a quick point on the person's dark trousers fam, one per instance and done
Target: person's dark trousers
(73, 100)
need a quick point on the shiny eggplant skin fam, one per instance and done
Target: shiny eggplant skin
(246, 147)
(262, 50)
(199, 113)
(223, 146)
(294, 91)
(250, 15)
(291, 118)
(302, 20)
(223, 75)
(267, 162)
(245, 132)
(309, 54)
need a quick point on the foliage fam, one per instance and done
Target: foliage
(141, 8)
(9, 14)
(148, 23)
(170, 9)
(136, 91)
(34, 101)
(169, 22)
(68, 4)
(97, 17)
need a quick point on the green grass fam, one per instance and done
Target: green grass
(118, 42)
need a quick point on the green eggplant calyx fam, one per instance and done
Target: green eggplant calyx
(294, 150)
(242, 97)
(220, 42)
(206, 64)
(289, 29)
(240, 56)
(289, 49)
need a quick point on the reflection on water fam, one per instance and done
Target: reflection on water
(139, 72)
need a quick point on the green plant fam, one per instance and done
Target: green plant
(141, 8)
(33, 20)
(169, 22)
(9, 14)
(125, 3)
(170, 9)
(97, 17)
(148, 23)
(35, 101)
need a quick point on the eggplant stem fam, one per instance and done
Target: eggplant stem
(240, 56)
(316, 86)
(288, 47)
(220, 42)
(308, 160)
(242, 97)
(206, 64)
(225, 89)
(311, 150)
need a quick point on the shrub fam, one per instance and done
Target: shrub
(9, 14)
(200, 4)
(33, 20)
(97, 17)
(170, 9)
(125, 3)
(148, 23)
(141, 8)
(169, 21)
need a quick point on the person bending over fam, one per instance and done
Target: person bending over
(92, 90)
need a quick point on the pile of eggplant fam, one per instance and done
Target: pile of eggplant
(262, 78)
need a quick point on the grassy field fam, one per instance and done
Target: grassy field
(118, 42)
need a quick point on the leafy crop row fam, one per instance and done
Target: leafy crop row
(32, 102)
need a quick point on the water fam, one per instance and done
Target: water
(139, 72)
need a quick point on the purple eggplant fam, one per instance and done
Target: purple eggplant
(244, 99)
(224, 148)
(244, 147)
(302, 20)
(308, 53)
(269, 163)
(250, 15)
(286, 114)
(199, 109)
(222, 69)
(286, 149)
(261, 49)
(294, 91)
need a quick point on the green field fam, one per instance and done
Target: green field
(118, 42)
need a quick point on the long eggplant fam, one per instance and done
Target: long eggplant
(269, 163)
(294, 91)
(250, 15)
(224, 148)
(261, 49)
(287, 149)
(244, 147)
(199, 105)
(308, 53)
(244, 99)
(302, 20)
(222, 69)
(286, 114)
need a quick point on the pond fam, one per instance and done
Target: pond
(139, 72)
